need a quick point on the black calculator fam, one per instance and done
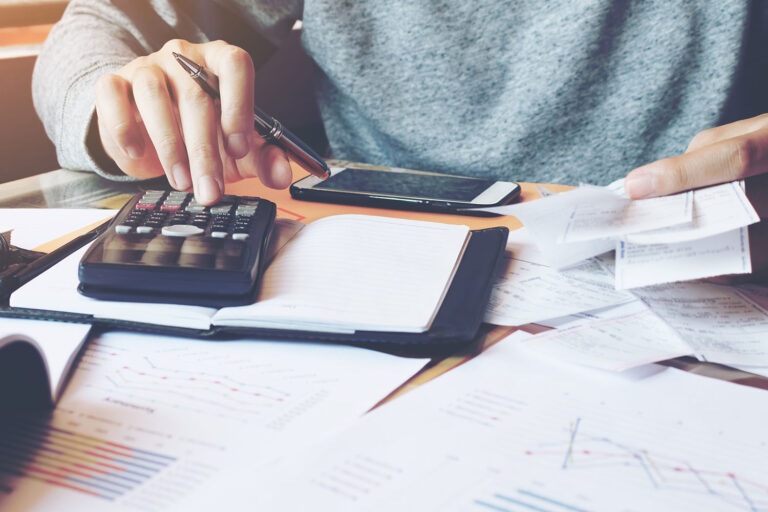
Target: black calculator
(164, 246)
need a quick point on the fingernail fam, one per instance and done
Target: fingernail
(133, 151)
(180, 177)
(208, 189)
(237, 145)
(639, 186)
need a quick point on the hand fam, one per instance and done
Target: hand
(154, 119)
(725, 153)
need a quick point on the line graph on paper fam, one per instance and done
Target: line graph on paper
(583, 451)
(202, 379)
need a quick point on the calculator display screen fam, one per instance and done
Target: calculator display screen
(406, 184)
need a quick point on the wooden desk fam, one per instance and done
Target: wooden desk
(62, 188)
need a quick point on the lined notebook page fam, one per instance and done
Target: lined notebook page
(356, 272)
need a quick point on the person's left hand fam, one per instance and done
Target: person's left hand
(725, 153)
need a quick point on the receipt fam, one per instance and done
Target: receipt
(546, 219)
(715, 210)
(644, 265)
(619, 216)
(722, 324)
(616, 339)
(528, 290)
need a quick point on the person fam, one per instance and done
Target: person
(531, 91)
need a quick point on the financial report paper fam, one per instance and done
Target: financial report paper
(515, 431)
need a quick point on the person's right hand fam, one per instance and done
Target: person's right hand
(154, 119)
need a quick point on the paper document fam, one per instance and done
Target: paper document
(148, 421)
(616, 339)
(716, 210)
(58, 343)
(721, 324)
(547, 218)
(621, 216)
(511, 430)
(528, 290)
(704, 236)
(35, 226)
(640, 265)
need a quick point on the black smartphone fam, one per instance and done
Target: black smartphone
(406, 190)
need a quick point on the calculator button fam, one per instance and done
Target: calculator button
(182, 230)
(221, 210)
(240, 236)
(123, 229)
(146, 206)
(170, 207)
(144, 230)
(218, 234)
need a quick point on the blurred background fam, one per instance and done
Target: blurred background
(283, 88)
(24, 147)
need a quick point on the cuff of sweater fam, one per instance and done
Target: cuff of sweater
(79, 146)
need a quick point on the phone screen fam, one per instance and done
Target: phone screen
(406, 184)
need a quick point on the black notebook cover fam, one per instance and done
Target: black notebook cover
(456, 324)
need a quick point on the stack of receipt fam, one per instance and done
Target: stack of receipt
(682, 237)
(643, 303)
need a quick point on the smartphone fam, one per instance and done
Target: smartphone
(406, 190)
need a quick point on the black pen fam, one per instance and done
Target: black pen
(267, 126)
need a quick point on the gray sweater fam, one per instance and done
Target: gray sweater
(533, 90)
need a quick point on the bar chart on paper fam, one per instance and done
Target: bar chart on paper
(86, 464)
(77, 460)
(151, 422)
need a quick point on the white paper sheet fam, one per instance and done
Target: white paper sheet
(640, 265)
(620, 216)
(547, 218)
(510, 424)
(528, 290)
(56, 289)
(149, 420)
(722, 324)
(617, 339)
(57, 341)
(35, 226)
(716, 210)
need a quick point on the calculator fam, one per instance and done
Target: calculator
(164, 246)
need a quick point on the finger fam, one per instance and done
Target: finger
(234, 68)
(150, 92)
(229, 167)
(117, 118)
(199, 124)
(731, 159)
(273, 167)
(727, 131)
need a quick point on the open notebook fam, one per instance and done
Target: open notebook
(35, 358)
(339, 276)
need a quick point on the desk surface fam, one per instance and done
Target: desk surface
(69, 189)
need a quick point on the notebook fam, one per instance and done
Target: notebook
(358, 279)
(35, 358)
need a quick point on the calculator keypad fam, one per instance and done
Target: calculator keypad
(178, 214)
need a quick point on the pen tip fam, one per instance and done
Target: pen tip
(175, 55)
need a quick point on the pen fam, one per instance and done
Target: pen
(267, 126)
